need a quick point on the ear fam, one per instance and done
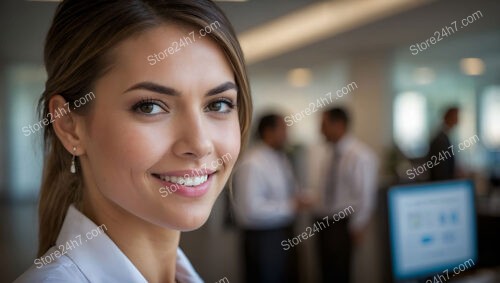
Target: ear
(66, 124)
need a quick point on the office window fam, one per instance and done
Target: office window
(25, 84)
(410, 124)
(490, 117)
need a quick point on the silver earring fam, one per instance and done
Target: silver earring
(72, 169)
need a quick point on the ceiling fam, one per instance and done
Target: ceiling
(402, 30)
(24, 24)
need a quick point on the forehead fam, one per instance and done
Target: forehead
(201, 60)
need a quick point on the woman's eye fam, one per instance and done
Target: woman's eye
(148, 107)
(221, 106)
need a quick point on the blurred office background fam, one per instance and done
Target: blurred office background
(299, 50)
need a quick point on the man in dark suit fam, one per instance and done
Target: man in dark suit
(440, 144)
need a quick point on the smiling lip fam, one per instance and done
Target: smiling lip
(188, 183)
(189, 172)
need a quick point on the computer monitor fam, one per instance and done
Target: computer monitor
(432, 227)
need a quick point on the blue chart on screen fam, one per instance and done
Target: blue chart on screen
(432, 227)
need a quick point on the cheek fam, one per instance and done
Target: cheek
(128, 144)
(227, 142)
(121, 151)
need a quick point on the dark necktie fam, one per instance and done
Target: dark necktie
(288, 174)
(331, 178)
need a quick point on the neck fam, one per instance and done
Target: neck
(337, 141)
(270, 144)
(151, 248)
(447, 127)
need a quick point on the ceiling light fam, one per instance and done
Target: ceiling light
(424, 75)
(299, 77)
(472, 66)
(316, 22)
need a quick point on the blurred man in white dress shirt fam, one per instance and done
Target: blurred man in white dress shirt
(265, 205)
(350, 180)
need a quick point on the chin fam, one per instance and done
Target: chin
(193, 222)
(187, 218)
(188, 214)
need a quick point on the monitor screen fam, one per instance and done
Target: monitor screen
(432, 227)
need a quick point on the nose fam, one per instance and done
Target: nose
(193, 140)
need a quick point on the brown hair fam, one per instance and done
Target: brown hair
(76, 54)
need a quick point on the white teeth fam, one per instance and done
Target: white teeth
(189, 181)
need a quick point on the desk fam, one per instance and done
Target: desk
(488, 231)
(481, 276)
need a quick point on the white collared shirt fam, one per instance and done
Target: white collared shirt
(264, 187)
(356, 184)
(91, 256)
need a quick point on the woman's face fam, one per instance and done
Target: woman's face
(161, 139)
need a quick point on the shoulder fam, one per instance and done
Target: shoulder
(440, 137)
(361, 151)
(254, 156)
(58, 270)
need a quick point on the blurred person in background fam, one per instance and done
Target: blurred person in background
(350, 179)
(440, 144)
(265, 205)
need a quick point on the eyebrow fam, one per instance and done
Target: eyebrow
(154, 87)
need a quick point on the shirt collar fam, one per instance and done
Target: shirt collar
(269, 149)
(100, 259)
(343, 143)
